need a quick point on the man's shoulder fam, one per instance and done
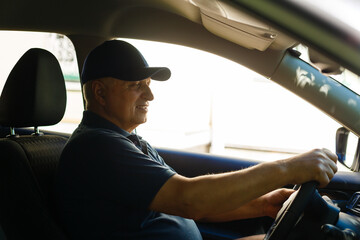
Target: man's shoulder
(87, 136)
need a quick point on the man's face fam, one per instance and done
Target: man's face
(126, 103)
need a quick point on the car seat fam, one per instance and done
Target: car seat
(33, 95)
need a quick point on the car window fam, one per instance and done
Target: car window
(214, 105)
(14, 44)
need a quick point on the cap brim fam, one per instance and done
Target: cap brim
(158, 73)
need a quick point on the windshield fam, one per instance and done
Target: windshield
(346, 78)
(340, 11)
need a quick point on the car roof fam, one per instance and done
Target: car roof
(196, 23)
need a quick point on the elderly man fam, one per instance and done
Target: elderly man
(111, 184)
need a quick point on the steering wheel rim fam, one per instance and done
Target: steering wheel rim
(291, 211)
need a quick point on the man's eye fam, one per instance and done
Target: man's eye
(135, 85)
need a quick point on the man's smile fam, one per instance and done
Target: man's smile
(143, 107)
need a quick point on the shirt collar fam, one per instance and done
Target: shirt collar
(93, 120)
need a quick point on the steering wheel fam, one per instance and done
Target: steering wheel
(291, 212)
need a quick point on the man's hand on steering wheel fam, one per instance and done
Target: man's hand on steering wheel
(273, 201)
(317, 165)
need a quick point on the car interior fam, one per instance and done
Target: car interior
(260, 35)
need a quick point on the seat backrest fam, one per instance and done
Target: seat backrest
(33, 95)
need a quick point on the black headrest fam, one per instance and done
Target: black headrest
(34, 93)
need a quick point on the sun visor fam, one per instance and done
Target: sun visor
(224, 20)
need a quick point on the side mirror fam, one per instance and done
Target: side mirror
(347, 148)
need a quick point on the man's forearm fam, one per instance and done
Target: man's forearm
(266, 205)
(222, 195)
(218, 194)
(210, 195)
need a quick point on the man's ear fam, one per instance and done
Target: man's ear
(98, 89)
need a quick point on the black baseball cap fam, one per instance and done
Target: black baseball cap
(121, 60)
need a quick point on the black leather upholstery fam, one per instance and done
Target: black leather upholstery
(34, 95)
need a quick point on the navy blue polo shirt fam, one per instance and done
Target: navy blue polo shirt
(105, 184)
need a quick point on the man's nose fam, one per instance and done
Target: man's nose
(148, 93)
